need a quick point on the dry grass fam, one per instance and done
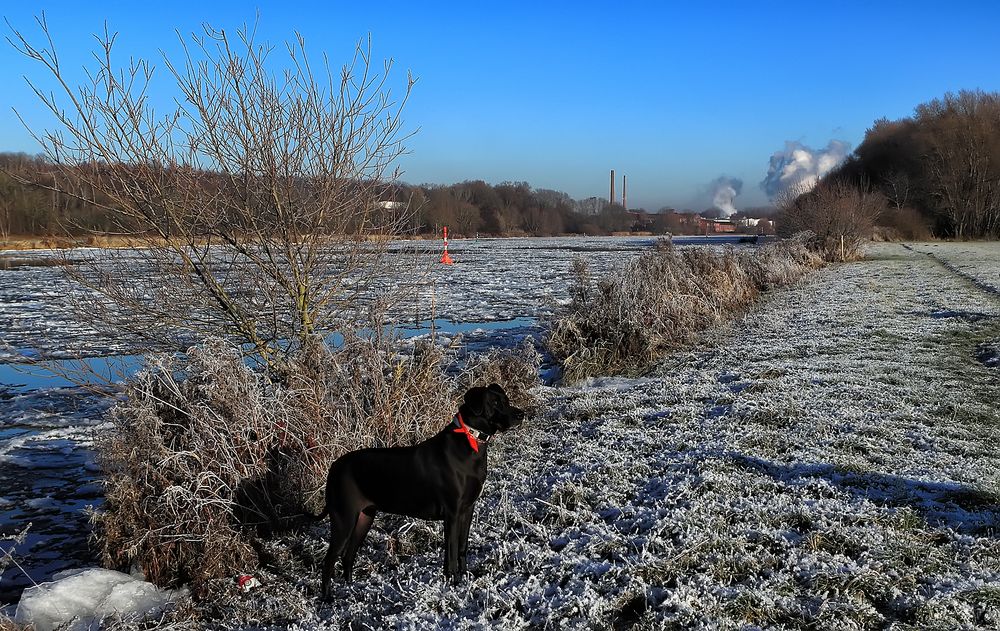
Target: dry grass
(662, 300)
(42, 243)
(515, 369)
(8, 624)
(206, 456)
(6, 561)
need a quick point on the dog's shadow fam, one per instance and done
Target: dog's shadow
(259, 505)
(394, 542)
(963, 509)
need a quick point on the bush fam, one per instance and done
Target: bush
(903, 224)
(839, 215)
(661, 300)
(205, 455)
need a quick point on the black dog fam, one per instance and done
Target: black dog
(440, 478)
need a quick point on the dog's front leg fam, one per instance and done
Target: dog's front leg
(340, 530)
(452, 530)
(464, 525)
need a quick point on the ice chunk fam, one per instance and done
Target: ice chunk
(80, 599)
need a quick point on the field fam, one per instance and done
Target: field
(828, 460)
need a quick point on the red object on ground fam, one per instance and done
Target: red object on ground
(446, 258)
(247, 582)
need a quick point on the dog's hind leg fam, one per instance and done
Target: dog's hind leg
(340, 530)
(361, 527)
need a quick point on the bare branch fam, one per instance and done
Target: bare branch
(252, 204)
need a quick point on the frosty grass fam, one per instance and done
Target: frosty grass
(830, 460)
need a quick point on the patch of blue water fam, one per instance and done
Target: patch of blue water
(64, 373)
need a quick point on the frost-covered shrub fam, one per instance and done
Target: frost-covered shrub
(181, 443)
(515, 369)
(840, 217)
(781, 263)
(205, 452)
(205, 455)
(364, 394)
(659, 301)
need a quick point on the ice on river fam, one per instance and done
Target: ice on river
(80, 600)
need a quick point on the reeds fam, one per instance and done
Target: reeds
(622, 323)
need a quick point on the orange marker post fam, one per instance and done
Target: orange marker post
(446, 258)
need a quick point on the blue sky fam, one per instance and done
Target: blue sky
(671, 94)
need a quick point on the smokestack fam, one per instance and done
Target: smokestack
(611, 197)
(624, 197)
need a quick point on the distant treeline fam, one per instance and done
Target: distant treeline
(467, 208)
(35, 210)
(515, 208)
(938, 169)
(510, 208)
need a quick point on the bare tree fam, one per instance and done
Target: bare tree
(941, 165)
(534, 220)
(897, 185)
(468, 219)
(7, 191)
(964, 177)
(250, 205)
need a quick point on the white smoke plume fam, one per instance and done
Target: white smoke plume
(724, 191)
(798, 168)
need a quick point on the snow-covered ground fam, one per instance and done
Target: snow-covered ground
(977, 260)
(828, 460)
(979, 263)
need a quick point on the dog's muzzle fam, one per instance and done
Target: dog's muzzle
(516, 417)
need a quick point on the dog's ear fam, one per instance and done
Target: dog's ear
(497, 391)
(479, 401)
(495, 387)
